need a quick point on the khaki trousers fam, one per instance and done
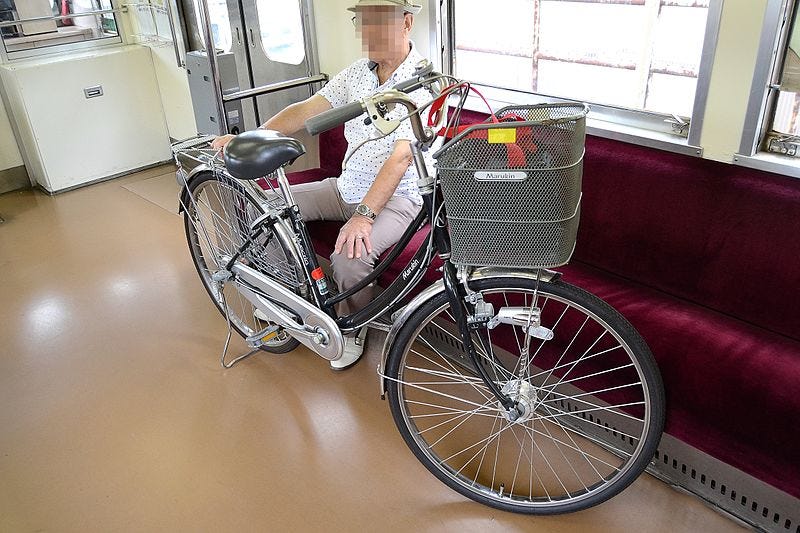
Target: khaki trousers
(321, 201)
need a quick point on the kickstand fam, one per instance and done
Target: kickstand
(228, 339)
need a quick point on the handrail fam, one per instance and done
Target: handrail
(171, 16)
(201, 7)
(167, 7)
(274, 87)
(62, 17)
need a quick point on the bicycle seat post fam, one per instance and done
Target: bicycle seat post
(283, 184)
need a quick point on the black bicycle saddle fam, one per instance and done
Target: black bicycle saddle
(255, 154)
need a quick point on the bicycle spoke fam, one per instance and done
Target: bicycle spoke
(566, 445)
(609, 408)
(575, 444)
(452, 367)
(574, 391)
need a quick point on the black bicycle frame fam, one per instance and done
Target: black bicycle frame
(389, 299)
(438, 241)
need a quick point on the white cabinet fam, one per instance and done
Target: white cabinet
(67, 139)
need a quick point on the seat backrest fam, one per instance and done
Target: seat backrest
(332, 148)
(720, 235)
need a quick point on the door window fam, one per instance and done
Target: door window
(281, 26)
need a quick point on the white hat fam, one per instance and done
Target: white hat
(405, 4)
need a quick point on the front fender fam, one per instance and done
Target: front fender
(437, 288)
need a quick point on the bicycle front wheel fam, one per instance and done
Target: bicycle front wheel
(217, 221)
(591, 397)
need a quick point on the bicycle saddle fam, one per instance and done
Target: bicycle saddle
(255, 154)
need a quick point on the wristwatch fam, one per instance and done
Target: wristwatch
(365, 211)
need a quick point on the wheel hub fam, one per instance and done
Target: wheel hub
(524, 394)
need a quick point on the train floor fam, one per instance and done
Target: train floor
(115, 414)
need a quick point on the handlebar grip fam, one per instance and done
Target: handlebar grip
(333, 117)
(404, 85)
(424, 68)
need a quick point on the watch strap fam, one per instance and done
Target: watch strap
(365, 210)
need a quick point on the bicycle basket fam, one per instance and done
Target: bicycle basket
(512, 189)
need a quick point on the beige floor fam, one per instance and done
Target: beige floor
(116, 416)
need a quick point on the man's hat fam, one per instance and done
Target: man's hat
(405, 4)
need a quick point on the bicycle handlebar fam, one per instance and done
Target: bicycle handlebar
(424, 69)
(333, 117)
(339, 115)
(330, 119)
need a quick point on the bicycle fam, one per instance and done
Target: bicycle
(512, 387)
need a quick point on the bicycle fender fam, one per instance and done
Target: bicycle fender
(184, 199)
(437, 288)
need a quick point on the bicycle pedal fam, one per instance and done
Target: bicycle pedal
(262, 337)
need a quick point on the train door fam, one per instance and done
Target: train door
(273, 42)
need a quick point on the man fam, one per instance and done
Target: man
(376, 195)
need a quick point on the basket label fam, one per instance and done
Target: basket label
(502, 135)
(500, 175)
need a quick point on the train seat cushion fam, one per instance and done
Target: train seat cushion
(731, 386)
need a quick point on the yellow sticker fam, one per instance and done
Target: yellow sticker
(270, 336)
(502, 135)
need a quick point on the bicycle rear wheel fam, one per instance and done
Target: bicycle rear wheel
(592, 396)
(217, 221)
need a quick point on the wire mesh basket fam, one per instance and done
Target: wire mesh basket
(512, 189)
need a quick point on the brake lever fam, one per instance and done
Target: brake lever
(376, 115)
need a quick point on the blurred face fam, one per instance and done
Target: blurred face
(384, 31)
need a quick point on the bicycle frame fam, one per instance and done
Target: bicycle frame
(438, 240)
(296, 238)
(290, 228)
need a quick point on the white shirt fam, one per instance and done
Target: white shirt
(358, 81)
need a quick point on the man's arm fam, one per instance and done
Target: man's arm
(382, 189)
(389, 177)
(293, 117)
(288, 121)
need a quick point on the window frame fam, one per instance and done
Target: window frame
(764, 91)
(644, 128)
(7, 57)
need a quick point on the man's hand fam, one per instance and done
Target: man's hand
(352, 234)
(220, 142)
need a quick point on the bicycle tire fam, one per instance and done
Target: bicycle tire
(236, 204)
(569, 418)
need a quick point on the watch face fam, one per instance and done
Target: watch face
(364, 210)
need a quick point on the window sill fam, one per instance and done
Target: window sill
(641, 137)
(58, 50)
(597, 125)
(778, 164)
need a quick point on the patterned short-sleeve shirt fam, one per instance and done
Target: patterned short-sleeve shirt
(358, 81)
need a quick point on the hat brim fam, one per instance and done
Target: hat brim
(414, 9)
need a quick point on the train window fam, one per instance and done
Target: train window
(606, 53)
(641, 56)
(771, 134)
(785, 120)
(29, 27)
(281, 26)
(220, 24)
